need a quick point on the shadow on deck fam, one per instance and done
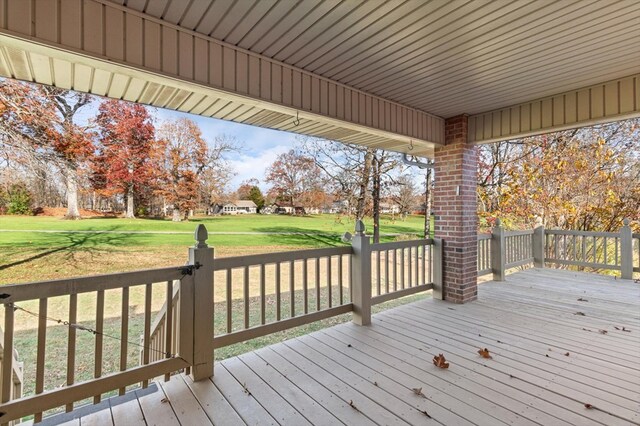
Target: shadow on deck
(565, 350)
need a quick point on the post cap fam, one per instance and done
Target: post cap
(201, 235)
(498, 223)
(538, 221)
(359, 227)
(625, 222)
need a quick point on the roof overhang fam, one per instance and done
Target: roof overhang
(380, 74)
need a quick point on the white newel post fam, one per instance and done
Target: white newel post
(201, 256)
(361, 276)
(538, 244)
(497, 251)
(626, 249)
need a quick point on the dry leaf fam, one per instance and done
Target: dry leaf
(375, 383)
(580, 313)
(352, 405)
(418, 391)
(603, 331)
(425, 413)
(624, 329)
(588, 406)
(440, 362)
(163, 400)
(484, 353)
(566, 354)
(616, 327)
(582, 300)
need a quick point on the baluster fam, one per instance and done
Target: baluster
(292, 289)
(246, 296)
(71, 348)
(7, 354)
(606, 258)
(417, 265)
(615, 250)
(278, 293)
(329, 281)
(409, 268)
(317, 262)
(40, 357)
(305, 286)
(395, 269)
(402, 257)
(168, 318)
(148, 291)
(228, 276)
(124, 333)
(262, 295)
(378, 272)
(97, 368)
(386, 271)
(340, 272)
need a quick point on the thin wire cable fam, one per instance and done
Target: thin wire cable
(88, 329)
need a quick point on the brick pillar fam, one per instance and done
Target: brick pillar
(455, 208)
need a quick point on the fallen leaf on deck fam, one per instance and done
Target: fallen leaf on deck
(352, 405)
(425, 413)
(624, 329)
(586, 329)
(588, 406)
(484, 353)
(580, 313)
(602, 331)
(566, 354)
(349, 345)
(616, 327)
(418, 391)
(440, 361)
(582, 300)
(375, 383)
(547, 355)
(163, 400)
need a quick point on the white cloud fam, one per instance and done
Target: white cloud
(254, 165)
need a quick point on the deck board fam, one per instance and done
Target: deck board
(364, 375)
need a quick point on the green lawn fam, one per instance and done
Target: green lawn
(28, 255)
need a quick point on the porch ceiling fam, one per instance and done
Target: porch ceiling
(447, 58)
(383, 74)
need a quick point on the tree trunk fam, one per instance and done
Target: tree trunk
(177, 215)
(376, 199)
(427, 204)
(71, 174)
(364, 184)
(130, 204)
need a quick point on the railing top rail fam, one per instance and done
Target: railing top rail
(581, 233)
(484, 237)
(515, 233)
(285, 256)
(402, 244)
(42, 289)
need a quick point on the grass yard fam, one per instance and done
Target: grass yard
(43, 248)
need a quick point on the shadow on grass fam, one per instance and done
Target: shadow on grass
(74, 242)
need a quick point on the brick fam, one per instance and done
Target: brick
(456, 218)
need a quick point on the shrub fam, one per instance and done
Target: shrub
(18, 199)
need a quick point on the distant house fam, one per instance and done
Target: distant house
(246, 207)
(236, 207)
(389, 208)
(269, 209)
(284, 209)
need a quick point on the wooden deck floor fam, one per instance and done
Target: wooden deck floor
(548, 362)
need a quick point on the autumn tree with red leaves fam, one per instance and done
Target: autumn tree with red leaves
(127, 160)
(40, 124)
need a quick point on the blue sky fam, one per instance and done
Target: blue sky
(258, 147)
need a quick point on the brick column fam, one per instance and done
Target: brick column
(455, 207)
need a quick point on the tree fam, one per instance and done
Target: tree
(586, 179)
(292, 174)
(186, 158)
(39, 126)
(405, 194)
(127, 158)
(255, 195)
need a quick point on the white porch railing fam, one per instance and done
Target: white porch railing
(502, 250)
(255, 295)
